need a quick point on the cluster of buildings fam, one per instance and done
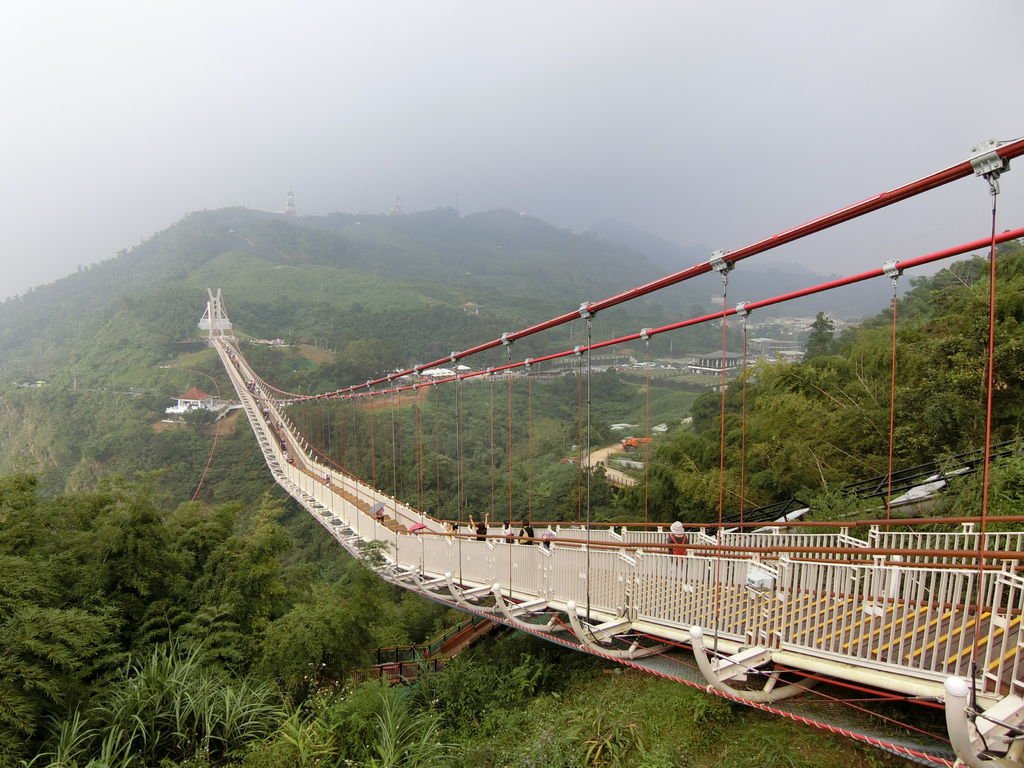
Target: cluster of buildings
(781, 350)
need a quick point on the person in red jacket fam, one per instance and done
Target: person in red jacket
(677, 538)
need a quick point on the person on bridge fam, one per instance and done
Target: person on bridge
(507, 533)
(677, 537)
(526, 533)
(480, 526)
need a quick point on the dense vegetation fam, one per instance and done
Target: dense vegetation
(106, 588)
(199, 635)
(135, 637)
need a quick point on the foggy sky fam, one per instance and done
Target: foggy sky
(712, 123)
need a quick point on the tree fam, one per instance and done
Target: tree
(46, 652)
(820, 341)
(323, 639)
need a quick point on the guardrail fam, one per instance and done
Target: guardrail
(828, 596)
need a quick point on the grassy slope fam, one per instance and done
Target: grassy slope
(241, 275)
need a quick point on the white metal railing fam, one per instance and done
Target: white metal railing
(915, 615)
(965, 543)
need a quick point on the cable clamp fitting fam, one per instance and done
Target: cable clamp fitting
(506, 340)
(584, 310)
(741, 308)
(891, 270)
(528, 362)
(645, 333)
(454, 357)
(986, 161)
(718, 262)
(577, 350)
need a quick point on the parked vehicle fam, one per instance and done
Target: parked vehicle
(632, 443)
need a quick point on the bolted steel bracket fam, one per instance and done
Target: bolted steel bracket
(577, 350)
(584, 310)
(986, 161)
(718, 262)
(891, 270)
(741, 309)
(645, 333)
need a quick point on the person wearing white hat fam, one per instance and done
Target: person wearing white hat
(677, 537)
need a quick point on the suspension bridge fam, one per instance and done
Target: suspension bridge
(815, 622)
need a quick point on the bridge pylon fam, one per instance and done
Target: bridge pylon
(215, 318)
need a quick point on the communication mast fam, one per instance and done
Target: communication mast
(396, 208)
(289, 208)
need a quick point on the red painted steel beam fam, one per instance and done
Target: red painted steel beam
(876, 202)
(958, 250)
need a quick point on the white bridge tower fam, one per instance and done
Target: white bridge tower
(215, 318)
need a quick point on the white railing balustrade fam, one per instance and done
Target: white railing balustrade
(917, 614)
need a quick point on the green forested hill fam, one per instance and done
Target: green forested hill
(505, 262)
(374, 290)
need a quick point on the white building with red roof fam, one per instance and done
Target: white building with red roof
(193, 400)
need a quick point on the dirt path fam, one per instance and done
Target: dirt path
(615, 476)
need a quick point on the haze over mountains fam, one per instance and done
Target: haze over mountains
(345, 276)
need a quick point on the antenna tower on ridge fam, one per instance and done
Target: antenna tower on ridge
(289, 208)
(396, 208)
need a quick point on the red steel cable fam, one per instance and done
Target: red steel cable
(579, 440)
(989, 378)
(721, 456)
(508, 458)
(490, 424)
(743, 420)
(419, 450)
(892, 405)
(647, 427)
(958, 250)
(437, 449)
(529, 444)
(461, 485)
(373, 447)
(876, 202)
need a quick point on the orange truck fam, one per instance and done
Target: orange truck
(632, 443)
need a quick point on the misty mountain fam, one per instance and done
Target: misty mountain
(668, 255)
(336, 277)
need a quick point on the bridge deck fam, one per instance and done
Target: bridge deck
(902, 623)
